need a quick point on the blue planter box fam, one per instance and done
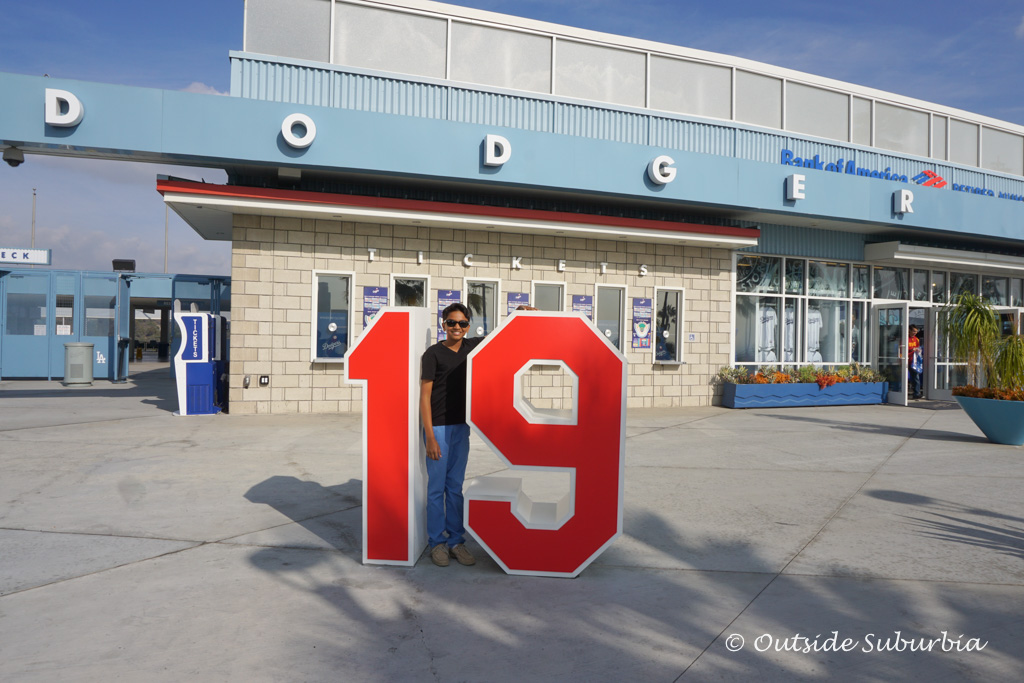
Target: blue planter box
(1001, 421)
(793, 395)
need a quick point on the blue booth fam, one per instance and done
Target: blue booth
(200, 364)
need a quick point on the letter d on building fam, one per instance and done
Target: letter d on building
(497, 150)
(56, 100)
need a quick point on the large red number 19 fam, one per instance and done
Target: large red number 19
(523, 536)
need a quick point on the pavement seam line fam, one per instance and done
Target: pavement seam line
(105, 569)
(278, 526)
(78, 424)
(828, 521)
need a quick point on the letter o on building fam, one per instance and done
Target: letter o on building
(288, 131)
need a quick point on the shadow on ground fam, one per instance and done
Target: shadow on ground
(152, 387)
(944, 520)
(867, 428)
(647, 624)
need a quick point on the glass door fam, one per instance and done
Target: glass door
(891, 330)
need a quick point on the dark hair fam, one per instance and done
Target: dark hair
(455, 307)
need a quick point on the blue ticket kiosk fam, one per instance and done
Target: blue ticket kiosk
(198, 365)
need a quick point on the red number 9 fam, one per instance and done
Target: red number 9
(548, 539)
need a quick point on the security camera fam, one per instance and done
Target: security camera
(14, 156)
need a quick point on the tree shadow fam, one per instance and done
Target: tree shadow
(883, 430)
(944, 521)
(458, 623)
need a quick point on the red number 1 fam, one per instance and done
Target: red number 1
(386, 361)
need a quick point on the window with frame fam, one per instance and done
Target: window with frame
(332, 316)
(408, 290)
(610, 312)
(960, 283)
(100, 295)
(26, 304)
(794, 311)
(668, 325)
(892, 283)
(549, 296)
(482, 302)
(995, 290)
(938, 287)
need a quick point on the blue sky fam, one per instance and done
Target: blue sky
(965, 55)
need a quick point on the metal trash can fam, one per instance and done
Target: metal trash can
(77, 363)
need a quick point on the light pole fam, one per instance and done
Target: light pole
(33, 244)
(165, 238)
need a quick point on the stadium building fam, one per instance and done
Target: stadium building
(703, 210)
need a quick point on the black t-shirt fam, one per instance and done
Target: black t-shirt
(447, 370)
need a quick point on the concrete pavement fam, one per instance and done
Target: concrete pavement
(138, 546)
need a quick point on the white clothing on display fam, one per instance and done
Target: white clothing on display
(769, 328)
(789, 341)
(813, 335)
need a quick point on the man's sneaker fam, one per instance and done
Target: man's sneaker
(439, 555)
(462, 554)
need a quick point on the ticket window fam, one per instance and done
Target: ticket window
(611, 313)
(549, 296)
(409, 290)
(331, 329)
(668, 325)
(482, 301)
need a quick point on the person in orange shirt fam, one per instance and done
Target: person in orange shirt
(915, 363)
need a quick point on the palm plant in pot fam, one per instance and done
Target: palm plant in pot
(994, 394)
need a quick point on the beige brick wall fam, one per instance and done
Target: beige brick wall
(271, 280)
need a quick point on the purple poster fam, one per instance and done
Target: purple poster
(642, 323)
(583, 303)
(517, 299)
(374, 299)
(445, 298)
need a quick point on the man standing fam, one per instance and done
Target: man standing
(443, 411)
(915, 363)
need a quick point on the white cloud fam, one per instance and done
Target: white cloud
(92, 211)
(202, 89)
(1020, 29)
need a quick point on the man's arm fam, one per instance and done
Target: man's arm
(433, 448)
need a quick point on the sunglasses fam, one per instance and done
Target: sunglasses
(461, 323)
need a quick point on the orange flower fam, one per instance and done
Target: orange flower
(971, 391)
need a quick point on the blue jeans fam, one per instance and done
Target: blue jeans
(915, 383)
(444, 485)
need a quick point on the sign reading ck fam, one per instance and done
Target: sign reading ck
(586, 441)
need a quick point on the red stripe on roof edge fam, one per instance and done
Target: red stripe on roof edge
(207, 189)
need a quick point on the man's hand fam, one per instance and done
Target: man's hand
(433, 448)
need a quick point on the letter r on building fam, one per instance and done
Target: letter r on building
(903, 202)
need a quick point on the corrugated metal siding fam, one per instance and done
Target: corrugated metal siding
(389, 96)
(258, 78)
(1009, 185)
(757, 146)
(603, 124)
(794, 241)
(492, 109)
(806, 149)
(690, 136)
(284, 83)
